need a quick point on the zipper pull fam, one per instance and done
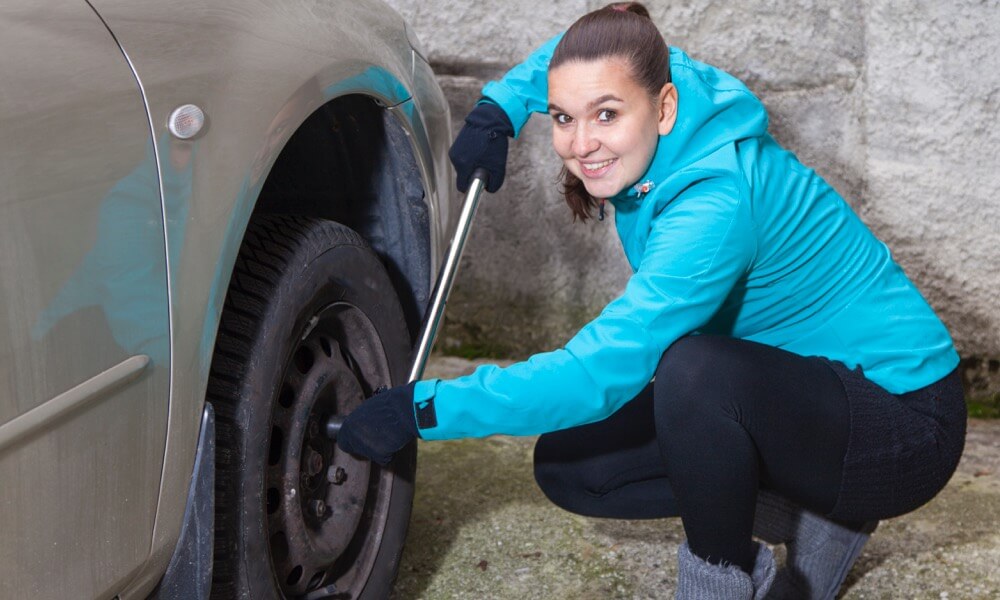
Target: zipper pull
(643, 188)
(600, 209)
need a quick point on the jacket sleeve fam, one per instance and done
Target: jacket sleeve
(699, 246)
(525, 88)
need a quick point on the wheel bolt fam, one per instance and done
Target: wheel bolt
(313, 428)
(336, 475)
(318, 507)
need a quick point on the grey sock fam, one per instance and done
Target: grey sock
(820, 551)
(763, 572)
(698, 579)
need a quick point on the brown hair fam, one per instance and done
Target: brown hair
(621, 30)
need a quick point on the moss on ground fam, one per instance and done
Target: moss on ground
(477, 350)
(984, 407)
(481, 528)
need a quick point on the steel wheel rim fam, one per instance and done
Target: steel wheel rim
(326, 510)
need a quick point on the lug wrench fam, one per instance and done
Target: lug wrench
(442, 288)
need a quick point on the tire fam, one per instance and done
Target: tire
(311, 326)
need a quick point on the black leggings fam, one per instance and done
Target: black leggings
(726, 416)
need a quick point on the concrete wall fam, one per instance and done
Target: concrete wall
(895, 102)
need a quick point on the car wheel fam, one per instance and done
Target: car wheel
(310, 328)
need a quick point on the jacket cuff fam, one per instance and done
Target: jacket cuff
(424, 412)
(509, 102)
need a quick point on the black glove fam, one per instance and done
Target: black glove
(381, 426)
(482, 143)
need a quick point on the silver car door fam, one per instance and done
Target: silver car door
(84, 325)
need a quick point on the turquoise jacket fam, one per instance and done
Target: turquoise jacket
(735, 237)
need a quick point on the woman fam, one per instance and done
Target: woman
(790, 353)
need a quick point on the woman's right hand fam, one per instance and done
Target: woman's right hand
(482, 143)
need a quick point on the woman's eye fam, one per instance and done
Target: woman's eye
(562, 118)
(605, 115)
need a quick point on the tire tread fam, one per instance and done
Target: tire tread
(273, 245)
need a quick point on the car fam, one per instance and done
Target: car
(220, 228)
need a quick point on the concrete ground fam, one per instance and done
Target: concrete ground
(482, 529)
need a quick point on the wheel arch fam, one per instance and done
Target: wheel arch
(352, 161)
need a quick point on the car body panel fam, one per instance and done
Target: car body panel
(99, 493)
(84, 349)
(258, 70)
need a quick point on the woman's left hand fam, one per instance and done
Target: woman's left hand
(381, 426)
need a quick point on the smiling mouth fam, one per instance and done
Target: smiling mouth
(597, 169)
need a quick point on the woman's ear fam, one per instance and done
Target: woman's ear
(667, 107)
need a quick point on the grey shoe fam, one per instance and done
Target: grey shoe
(701, 580)
(820, 553)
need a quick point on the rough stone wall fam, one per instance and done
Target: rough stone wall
(895, 103)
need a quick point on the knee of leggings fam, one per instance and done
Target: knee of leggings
(558, 480)
(688, 378)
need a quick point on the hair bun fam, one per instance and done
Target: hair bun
(632, 7)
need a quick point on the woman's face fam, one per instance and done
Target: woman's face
(605, 125)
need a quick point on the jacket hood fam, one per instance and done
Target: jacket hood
(713, 109)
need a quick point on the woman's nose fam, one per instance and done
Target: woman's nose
(584, 141)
